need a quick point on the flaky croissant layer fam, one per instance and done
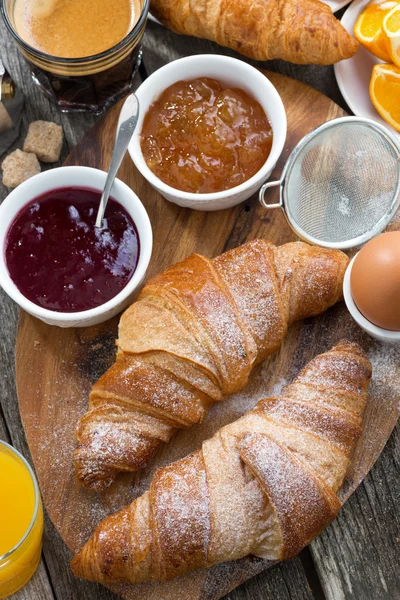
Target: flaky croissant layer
(191, 339)
(263, 485)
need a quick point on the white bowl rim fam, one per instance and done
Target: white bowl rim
(374, 330)
(254, 179)
(145, 249)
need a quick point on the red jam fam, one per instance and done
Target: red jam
(59, 260)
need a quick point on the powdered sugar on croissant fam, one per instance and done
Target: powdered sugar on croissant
(264, 485)
(191, 339)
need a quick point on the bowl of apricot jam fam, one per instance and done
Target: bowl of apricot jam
(210, 131)
(56, 264)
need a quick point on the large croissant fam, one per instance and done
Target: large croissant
(263, 485)
(192, 338)
(299, 31)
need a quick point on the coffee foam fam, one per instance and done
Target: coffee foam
(75, 28)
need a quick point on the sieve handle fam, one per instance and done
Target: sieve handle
(261, 197)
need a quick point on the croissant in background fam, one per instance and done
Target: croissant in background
(191, 339)
(299, 31)
(263, 485)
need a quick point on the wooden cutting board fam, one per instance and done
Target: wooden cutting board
(56, 367)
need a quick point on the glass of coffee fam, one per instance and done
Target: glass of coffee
(82, 53)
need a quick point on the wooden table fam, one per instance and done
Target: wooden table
(358, 557)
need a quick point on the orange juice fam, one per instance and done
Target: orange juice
(21, 521)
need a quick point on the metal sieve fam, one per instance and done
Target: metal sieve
(340, 185)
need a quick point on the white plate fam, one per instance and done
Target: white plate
(335, 5)
(353, 75)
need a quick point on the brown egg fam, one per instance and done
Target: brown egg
(375, 281)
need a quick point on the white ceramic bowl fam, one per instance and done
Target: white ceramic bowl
(81, 177)
(383, 335)
(231, 72)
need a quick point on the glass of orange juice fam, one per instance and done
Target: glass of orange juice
(21, 521)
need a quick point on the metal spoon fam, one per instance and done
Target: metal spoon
(126, 126)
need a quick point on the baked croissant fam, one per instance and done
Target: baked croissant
(299, 31)
(264, 485)
(191, 339)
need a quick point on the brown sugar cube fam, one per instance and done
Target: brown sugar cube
(45, 139)
(19, 166)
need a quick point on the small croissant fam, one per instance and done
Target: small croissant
(264, 485)
(299, 31)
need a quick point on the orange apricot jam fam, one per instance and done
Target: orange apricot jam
(202, 137)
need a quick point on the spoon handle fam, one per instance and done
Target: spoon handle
(126, 125)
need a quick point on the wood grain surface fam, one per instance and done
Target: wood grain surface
(55, 368)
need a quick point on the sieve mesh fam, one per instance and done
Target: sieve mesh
(342, 183)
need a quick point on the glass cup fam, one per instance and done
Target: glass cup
(19, 564)
(91, 83)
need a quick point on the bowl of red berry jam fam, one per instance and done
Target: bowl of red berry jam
(56, 264)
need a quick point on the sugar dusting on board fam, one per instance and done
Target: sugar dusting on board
(56, 397)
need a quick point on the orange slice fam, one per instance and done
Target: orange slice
(368, 28)
(391, 31)
(384, 90)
